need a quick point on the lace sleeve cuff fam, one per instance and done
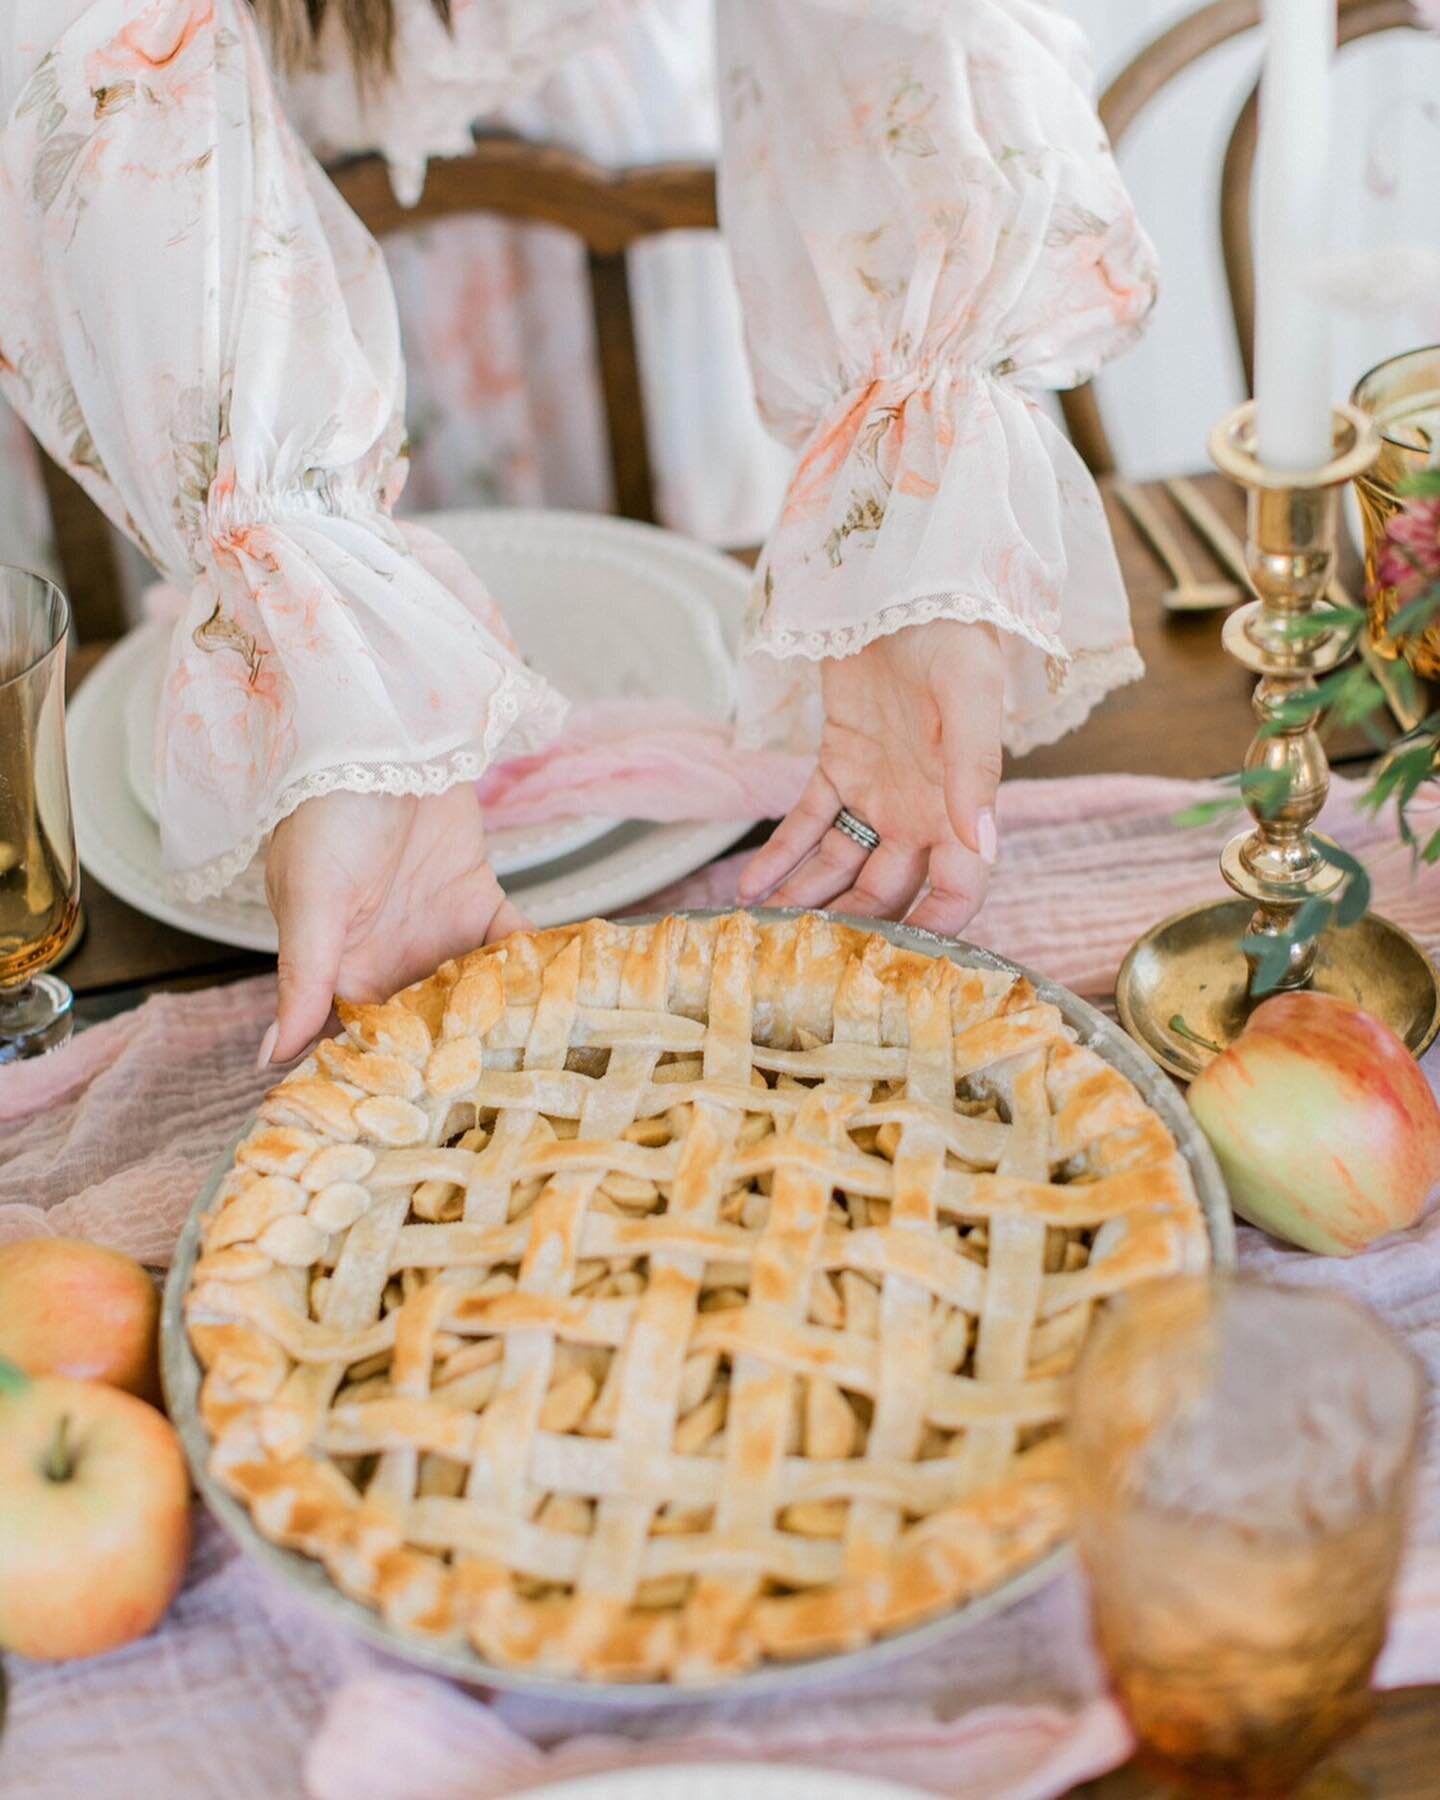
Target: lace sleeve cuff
(325, 652)
(950, 495)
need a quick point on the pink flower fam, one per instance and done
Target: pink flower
(1409, 560)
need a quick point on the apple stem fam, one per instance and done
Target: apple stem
(1181, 1029)
(59, 1464)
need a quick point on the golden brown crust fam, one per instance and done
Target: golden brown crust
(642, 1302)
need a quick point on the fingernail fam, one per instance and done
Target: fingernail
(267, 1046)
(987, 836)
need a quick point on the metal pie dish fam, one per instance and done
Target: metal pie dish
(181, 1376)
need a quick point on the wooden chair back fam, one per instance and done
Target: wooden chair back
(1156, 66)
(609, 210)
(87, 550)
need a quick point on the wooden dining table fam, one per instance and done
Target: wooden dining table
(1190, 717)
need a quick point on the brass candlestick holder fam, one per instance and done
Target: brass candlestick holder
(1187, 979)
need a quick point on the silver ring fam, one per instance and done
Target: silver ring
(857, 830)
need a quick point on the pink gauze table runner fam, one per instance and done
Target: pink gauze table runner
(244, 1693)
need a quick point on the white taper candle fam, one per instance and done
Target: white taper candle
(1292, 349)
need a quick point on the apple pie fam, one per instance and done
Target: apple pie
(645, 1302)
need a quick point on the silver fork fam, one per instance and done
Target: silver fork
(1187, 591)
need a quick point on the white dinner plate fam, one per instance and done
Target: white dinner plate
(604, 608)
(630, 631)
(134, 680)
(735, 1781)
(138, 680)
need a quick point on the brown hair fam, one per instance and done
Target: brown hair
(369, 26)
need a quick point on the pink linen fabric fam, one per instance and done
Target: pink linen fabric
(657, 760)
(244, 1694)
(926, 229)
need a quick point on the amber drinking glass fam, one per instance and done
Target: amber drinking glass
(1402, 396)
(1243, 1459)
(39, 871)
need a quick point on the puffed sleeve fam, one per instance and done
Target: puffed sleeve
(197, 328)
(928, 230)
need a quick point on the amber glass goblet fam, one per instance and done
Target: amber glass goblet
(39, 871)
(1402, 396)
(1243, 1460)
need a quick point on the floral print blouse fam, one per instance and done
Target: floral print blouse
(927, 231)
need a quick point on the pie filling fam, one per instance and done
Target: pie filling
(642, 1303)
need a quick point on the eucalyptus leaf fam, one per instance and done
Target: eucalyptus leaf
(1361, 695)
(1353, 901)
(1375, 733)
(1273, 964)
(1401, 774)
(1302, 705)
(1325, 619)
(1205, 812)
(1414, 615)
(1268, 789)
(1406, 686)
(1338, 857)
(1311, 919)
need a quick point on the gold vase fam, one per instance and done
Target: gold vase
(1402, 398)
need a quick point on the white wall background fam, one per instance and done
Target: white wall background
(1161, 400)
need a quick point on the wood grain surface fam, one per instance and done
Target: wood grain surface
(1396, 1757)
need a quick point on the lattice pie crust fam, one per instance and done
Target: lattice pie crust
(645, 1302)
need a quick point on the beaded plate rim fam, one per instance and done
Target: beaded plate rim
(180, 1373)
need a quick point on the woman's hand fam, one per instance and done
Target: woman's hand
(912, 746)
(372, 891)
